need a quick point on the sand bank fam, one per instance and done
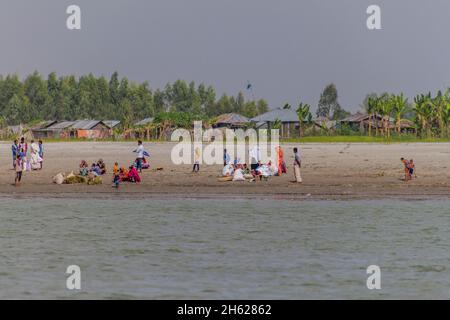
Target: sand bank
(330, 171)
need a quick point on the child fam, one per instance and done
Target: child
(116, 168)
(19, 169)
(412, 169)
(116, 180)
(196, 167)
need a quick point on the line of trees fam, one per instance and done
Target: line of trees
(90, 97)
(430, 114)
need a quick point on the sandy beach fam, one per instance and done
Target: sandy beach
(330, 171)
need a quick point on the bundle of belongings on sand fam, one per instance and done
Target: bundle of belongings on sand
(71, 178)
(241, 172)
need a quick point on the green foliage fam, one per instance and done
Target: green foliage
(276, 124)
(304, 115)
(329, 106)
(90, 97)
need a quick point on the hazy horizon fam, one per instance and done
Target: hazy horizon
(289, 50)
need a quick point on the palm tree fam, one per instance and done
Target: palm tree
(304, 114)
(400, 104)
(440, 103)
(372, 103)
(446, 117)
(424, 111)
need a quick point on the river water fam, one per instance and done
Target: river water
(224, 249)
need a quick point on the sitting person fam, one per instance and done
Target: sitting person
(263, 171)
(95, 169)
(145, 164)
(101, 165)
(84, 169)
(274, 169)
(133, 175)
(247, 173)
(123, 174)
(228, 170)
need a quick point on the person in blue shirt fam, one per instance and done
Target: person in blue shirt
(41, 152)
(15, 152)
(226, 157)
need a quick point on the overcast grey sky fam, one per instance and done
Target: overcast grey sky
(289, 49)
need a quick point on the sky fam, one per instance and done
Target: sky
(288, 49)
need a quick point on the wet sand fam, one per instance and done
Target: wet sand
(330, 171)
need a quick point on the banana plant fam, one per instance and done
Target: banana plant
(304, 114)
(400, 105)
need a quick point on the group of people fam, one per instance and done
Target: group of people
(409, 168)
(97, 169)
(240, 172)
(120, 174)
(21, 161)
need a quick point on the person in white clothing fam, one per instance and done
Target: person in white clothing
(297, 166)
(35, 159)
(140, 156)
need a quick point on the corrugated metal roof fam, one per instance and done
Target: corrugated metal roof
(359, 117)
(144, 122)
(231, 118)
(61, 125)
(44, 124)
(85, 124)
(284, 115)
(111, 123)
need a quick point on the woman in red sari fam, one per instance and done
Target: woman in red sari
(281, 164)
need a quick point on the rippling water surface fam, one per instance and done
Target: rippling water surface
(227, 249)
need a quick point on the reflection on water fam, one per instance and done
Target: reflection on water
(211, 249)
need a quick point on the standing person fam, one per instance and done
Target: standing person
(226, 157)
(23, 146)
(19, 169)
(41, 152)
(297, 166)
(412, 169)
(140, 156)
(255, 157)
(116, 176)
(280, 161)
(35, 159)
(15, 152)
(197, 157)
